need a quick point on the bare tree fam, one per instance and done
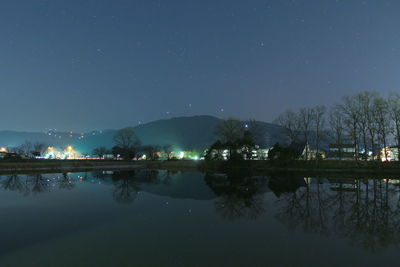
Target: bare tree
(100, 151)
(126, 138)
(26, 148)
(230, 130)
(290, 121)
(351, 120)
(337, 127)
(366, 123)
(319, 122)
(151, 152)
(258, 131)
(127, 143)
(382, 118)
(40, 148)
(394, 110)
(167, 148)
(306, 119)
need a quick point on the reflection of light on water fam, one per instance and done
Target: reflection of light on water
(392, 181)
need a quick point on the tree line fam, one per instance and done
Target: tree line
(366, 121)
(239, 138)
(129, 146)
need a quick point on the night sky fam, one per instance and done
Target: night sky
(96, 64)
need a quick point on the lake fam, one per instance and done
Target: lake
(164, 218)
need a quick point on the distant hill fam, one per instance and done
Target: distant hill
(184, 133)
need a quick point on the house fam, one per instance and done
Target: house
(256, 153)
(313, 154)
(389, 153)
(342, 151)
(343, 184)
(301, 149)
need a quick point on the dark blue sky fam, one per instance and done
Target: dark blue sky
(95, 64)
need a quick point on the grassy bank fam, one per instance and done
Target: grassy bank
(61, 165)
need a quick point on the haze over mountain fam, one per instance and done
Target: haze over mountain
(183, 133)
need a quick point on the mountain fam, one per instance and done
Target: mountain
(183, 133)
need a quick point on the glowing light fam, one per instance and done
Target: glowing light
(3, 149)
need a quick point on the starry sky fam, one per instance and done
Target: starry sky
(98, 64)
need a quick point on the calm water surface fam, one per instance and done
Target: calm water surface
(160, 218)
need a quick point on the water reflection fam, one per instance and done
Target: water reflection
(239, 195)
(126, 186)
(36, 183)
(12, 183)
(364, 212)
(66, 182)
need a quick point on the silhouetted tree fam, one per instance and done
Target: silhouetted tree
(290, 121)
(394, 110)
(319, 123)
(127, 143)
(229, 130)
(337, 128)
(167, 150)
(151, 152)
(39, 149)
(258, 132)
(100, 151)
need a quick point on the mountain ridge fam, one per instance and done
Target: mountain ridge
(183, 133)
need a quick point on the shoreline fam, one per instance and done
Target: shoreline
(261, 167)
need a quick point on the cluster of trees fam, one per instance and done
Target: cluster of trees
(129, 146)
(238, 137)
(29, 149)
(365, 120)
(283, 155)
(304, 125)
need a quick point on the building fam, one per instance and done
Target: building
(256, 153)
(389, 153)
(342, 151)
(302, 149)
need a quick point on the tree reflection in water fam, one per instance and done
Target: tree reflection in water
(240, 195)
(12, 183)
(126, 187)
(34, 183)
(366, 211)
(37, 183)
(127, 184)
(66, 182)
